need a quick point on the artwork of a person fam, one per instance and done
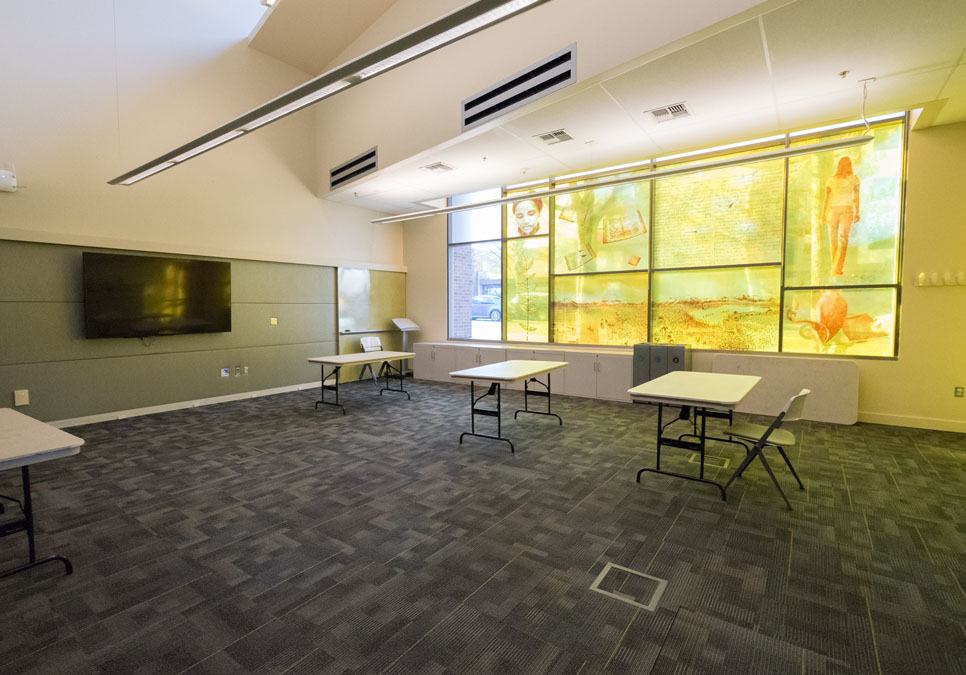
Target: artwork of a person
(527, 215)
(840, 211)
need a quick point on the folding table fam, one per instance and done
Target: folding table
(690, 389)
(25, 441)
(506, 372)
(338, 361)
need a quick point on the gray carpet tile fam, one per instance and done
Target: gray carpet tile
(265, 536)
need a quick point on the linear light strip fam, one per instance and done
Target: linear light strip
(459, 24)
(624, 180)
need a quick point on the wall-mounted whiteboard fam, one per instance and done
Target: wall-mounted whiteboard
(369, 299)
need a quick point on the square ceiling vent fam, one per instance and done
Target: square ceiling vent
(667, 113)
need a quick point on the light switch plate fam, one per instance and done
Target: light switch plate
(21, 397)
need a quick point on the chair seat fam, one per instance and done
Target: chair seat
(752, 432)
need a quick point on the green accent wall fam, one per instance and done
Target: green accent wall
(43, 348)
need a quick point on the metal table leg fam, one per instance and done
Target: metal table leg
(486, 412)
(329, 387)
(26, 524)
(527, 393)
(389, 370)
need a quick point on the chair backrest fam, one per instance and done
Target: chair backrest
(371, 344)
(793, 409)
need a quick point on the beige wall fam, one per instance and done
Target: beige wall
(914, 390)
(92, 89)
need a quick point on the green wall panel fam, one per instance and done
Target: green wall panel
(43, 349)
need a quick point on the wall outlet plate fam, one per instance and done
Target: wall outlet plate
(226, 372)
(21, 397)
(958, 392)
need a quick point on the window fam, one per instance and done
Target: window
(475, 267)
(795, 255)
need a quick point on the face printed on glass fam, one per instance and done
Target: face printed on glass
(527, 215)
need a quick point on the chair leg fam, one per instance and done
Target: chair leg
(785, 457)
(741, 467)
(774, 480)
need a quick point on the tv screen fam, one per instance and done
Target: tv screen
(140, 296)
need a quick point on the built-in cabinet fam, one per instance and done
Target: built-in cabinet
(602, 373)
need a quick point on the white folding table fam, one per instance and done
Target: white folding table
(25, 441)
(338, 361)
(688, 389)
(506, 372)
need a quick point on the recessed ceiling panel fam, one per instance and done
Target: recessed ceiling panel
(722, 75)
(869, 38)
(589, 116)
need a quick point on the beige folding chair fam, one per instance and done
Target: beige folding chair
(770, 435)
(370, 344)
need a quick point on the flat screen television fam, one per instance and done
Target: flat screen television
(141, 296)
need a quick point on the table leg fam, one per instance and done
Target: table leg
(698, 446)
(486, 412)
(26, 524)
(329, 387)
(527, 393)
(388, 369)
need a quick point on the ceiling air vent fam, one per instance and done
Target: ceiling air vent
(668, 112)
(552, 73)
(554, 137)
(437, 167)
(355, 168)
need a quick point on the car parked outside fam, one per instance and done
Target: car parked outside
(487, 307)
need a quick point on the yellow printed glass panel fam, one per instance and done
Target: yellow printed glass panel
(857, 321)
(736, 308)
(600, 309)
(727, 216)
(602, 230)
(527, 289)
(843, 212)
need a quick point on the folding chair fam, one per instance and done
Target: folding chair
(370, 344)
(770, 435)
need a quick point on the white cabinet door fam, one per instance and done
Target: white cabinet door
(445, 362)
(424, 364)
(580, 375)
(614, 376)
(466, 357)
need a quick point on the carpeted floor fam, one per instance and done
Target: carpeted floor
(265, 536)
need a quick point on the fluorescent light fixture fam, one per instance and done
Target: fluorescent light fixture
(463, 22)
(720, 148)
(520, 186)
(660, 173)
(843, 125)
(149, 172)
(606, 169)
(224, 138)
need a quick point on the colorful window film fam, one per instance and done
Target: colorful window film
(733, 308)
(727, 216)
(843, 212)
(600, 309)
(854, 321)
(528, 217)
(603, 230)
(527, 293)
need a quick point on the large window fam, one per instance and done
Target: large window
(475, 266)
(794, 255)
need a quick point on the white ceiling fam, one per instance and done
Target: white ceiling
(777, 71)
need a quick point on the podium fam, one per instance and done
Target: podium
(407, 327)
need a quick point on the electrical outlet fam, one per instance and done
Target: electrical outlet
(21, 397)
(245, 370)
(226, 372)
(958, 392)
(237, 371)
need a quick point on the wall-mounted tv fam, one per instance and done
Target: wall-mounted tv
(141, 296)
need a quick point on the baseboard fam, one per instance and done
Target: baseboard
(915, 422)
(180, 405)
